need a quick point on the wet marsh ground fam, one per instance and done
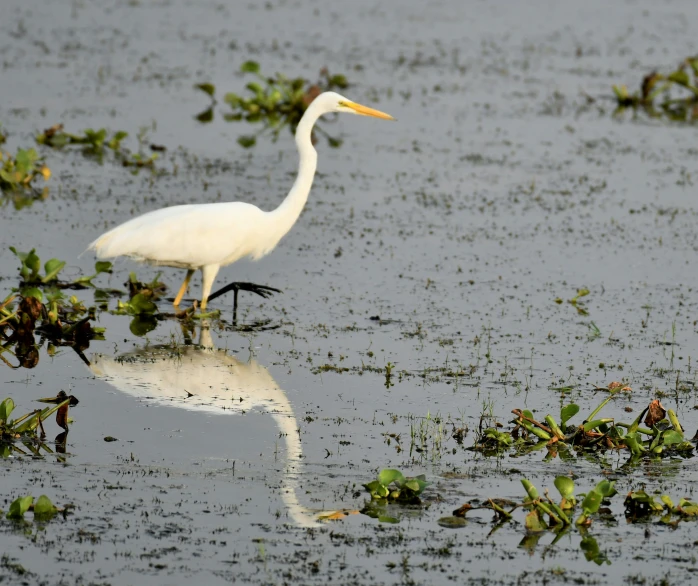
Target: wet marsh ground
(435, 247)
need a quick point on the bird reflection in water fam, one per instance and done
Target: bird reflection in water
(204, 378)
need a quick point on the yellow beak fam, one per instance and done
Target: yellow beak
(366, 111)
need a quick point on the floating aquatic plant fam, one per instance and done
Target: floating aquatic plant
(43, 509)
(96, 143)
(662, 436)
(18, 172)
(673, 95)
(275, 101)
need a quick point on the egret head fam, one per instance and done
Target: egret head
(334, 102)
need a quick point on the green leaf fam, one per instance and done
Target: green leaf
(385, 477)
(33, 263)
(102, 266)
(6, 407)
(413, 485)
(679, 76)
(633, 442)
(565, 486)
(44, 507)
(29, 424)
(671, 437)
(207, 88)
(372, 486)
(606, 489)
(19, 506)
(33, 292)
(256, 88)
(534, 523)
(688, 508)
(339, 81)
(206, 116)
(589, 425)
(247, 141)
(530, 489)
(592, 502)
(567, 413)
(388, 519)
(25, 159)
(666, 499)
(141, 303)
(250, 67)
(52, 268)
(452, 522)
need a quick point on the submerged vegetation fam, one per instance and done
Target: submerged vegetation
(673, 95)
(274, 101)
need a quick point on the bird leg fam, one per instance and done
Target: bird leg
(208, 275)
(183, 288)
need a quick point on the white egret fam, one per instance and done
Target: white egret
(208, 236)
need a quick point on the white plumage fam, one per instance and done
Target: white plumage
(208, 236)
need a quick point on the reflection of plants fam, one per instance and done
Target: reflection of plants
(17, 173)
(274, 101)
(678, 90)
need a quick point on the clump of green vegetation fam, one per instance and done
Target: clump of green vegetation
(43, 508)
(392, 486)
(544, 514)
(674, 94)
(18, 172)
(663, 435)
(639, 506)
(43, 309)
(575, 301)
(95, 143)
(93, 140)
(275, 102)
(391, 493)
(30, 272)
(141, 304)
(25, 426)
(59, 321)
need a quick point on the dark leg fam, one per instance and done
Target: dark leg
(261, 290)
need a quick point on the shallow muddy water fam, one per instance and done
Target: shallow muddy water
(500, 189)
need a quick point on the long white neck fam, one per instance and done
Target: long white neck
(285, 216)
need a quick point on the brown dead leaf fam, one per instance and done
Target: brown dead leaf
(49, 132)
(313, 92)
(615, 385)
(462, 510)
(62, 417)
(655, 413)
